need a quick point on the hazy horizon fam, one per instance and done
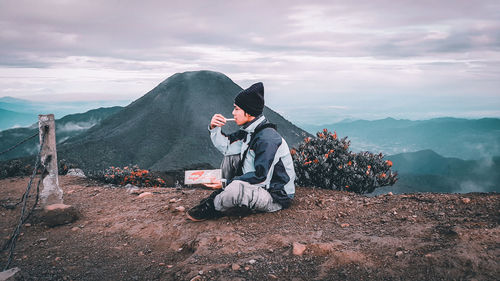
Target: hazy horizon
(300, 118)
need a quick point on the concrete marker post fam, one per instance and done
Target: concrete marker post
(51, 192)
(55, 212)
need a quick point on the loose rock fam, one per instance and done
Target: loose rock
(145, 194)
(180, 209)
(272, 276)
(298, 249)
(76, 173)
(8, 274)
(466, 200)
(134, 190)
(196, 278)
(58, 214)
(235, 266)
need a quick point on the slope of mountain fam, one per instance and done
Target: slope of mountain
(70, 125)
(450, 137)
(9, 119)
(166, 129)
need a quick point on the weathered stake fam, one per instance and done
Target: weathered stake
(51, 192)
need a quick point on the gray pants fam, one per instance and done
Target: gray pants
(240, 194)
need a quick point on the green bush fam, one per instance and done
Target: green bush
(15, 168)
(326, 162)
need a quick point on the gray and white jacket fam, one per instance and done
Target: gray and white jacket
(268, 162)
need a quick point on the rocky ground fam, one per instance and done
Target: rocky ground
(325, 235)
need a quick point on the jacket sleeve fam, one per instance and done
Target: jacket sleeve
(226, 144)
(265, 150)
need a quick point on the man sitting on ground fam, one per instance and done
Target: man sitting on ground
(257, 164)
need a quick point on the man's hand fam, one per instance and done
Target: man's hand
(217, 185)
(217, 121)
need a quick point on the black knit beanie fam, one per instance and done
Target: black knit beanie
(251, 100)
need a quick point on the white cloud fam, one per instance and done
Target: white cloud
(303, 51)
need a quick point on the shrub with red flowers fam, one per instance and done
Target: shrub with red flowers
(130, 175)
(326, 162)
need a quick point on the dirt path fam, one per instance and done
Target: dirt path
(347, 237)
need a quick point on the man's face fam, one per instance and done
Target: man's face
(240, 116)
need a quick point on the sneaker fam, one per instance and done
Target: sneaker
(203, 211)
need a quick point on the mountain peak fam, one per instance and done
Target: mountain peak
(166, 128)
(195, 75)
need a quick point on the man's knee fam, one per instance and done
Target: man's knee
(233, 190)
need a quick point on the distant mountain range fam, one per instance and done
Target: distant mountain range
(450, 137)
(16, 112)
(10, 119)
(427, 171)
(66, 127)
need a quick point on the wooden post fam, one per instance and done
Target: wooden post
(51, 192)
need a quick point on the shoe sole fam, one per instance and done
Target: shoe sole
(193, 219)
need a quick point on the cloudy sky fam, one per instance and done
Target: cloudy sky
(320, 61)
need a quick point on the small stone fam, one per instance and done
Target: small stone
(161, 264)
(145, 194)
(252, 261)
(141, 253)
(173, 200)
(57, 259)
(399, 253)
(235, 266)
(180, 209)
(272, 276)
(395, 213)
(344, 225)
(247, 268)
(298, 249)
(428, 256)
(76, 173)
(389, 193)
(58, 214)
(200, 272)
(170, 266)
(134, 191)
(25, 257)
(10, 274)
(218, 238)
(76, 228)
(27, 224)
(196, 278)
(466, 200)
(42, 239)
